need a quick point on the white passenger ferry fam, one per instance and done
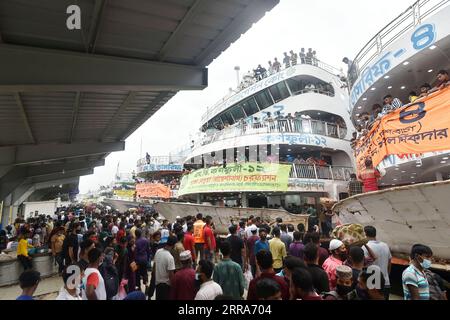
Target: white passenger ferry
(415, 205)
(295, 117)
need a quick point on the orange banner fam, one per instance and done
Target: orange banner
(146, 190)
(414, 129)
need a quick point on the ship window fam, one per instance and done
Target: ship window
(237, 112)
(304, 84)
(217, 122)
(226, 117)
(296, 85)
(250, 106)
(279, 91)
(264, 100)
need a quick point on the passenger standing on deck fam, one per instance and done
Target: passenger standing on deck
(302, 56)
(278, 250)
(199, 238)
(276, 65)
(294, 58)
(210, 240)
(286, 60)
(338, 255)
(369, 177)
(309, 56)
(414, 279)
(383, 254)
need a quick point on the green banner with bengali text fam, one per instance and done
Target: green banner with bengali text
(247, 177)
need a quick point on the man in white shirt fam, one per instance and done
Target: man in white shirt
(383, 254)
(93, 281)
(250, 227)
(209, 289)
(114, 230)
(163, 269)
(71, 289)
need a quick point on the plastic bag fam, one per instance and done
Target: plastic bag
(248, 277)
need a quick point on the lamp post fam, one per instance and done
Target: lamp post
(237, 69)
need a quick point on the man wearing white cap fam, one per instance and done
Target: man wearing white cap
(337, 257)
(183, 283)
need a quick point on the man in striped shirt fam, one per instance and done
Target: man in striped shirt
(390, 104)
(414, 279)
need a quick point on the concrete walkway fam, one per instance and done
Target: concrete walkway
(47, 290)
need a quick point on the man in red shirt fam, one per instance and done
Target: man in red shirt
(369, 177)
(121, 233)
(210, 240)
(183, 282)
(189, 242)
(265, 261)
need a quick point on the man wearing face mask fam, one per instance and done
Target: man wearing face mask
(337, 257)
(70, 245)
(209, 289)
(344, 288)
(92, 279)
(414, 279)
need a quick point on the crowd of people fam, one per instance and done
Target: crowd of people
(390, 104)
(137, 255)
(289, 60)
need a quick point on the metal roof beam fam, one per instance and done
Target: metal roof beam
(187, 18)
(58, 176)
(139, 120)
(238, 25)
(96, 21)
(35, 69)
(41, 170)
(24, 116)
(76, 108)
(26, 154)
(116, 116)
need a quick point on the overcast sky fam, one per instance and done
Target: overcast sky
(333, 28)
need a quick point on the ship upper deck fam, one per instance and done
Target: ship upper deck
(404, 55)
(323, 76)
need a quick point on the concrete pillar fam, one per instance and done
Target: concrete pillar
(199, 198)
(244, 200)
(439, 176)
(6, 208)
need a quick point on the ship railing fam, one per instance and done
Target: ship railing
(160, 160)
(406, 21)
(215, 109)
(308, 126)
(314, 171)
